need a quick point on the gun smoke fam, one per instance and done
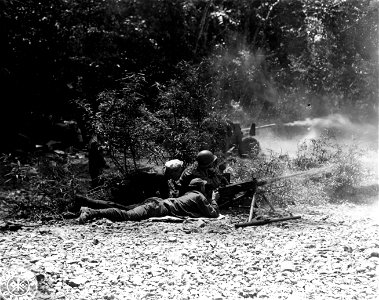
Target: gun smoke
(285, 138)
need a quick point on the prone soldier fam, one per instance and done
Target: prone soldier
(192, 204)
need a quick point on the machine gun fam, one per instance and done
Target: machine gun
(249, 188)
(235, 192)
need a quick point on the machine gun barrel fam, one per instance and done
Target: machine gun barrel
(298, 174)
(228, 192)
(253, 183)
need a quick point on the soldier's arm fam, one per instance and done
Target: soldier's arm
(209, 208)
(184, 180)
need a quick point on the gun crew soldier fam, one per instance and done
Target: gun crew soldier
(204, 168)
(158, 183)
(144, 185)
(191, 204)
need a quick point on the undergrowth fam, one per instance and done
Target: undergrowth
(46, 185)
(342, 176)
(346, 169)
(42, 186)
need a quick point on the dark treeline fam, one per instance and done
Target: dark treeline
(187, 60)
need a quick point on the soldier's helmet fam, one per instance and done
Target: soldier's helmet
(205, 158)
(197, 182)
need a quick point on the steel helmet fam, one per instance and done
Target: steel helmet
(197, 182)
(205, 158)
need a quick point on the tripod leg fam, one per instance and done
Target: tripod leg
(252, 207)
(268, 202)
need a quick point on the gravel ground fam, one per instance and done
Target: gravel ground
(331, 253)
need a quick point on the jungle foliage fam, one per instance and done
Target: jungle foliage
(149, 73)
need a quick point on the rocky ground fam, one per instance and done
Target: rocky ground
(332, 252)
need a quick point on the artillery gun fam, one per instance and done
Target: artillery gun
(244, 142)
(232, 138)
(242, 139)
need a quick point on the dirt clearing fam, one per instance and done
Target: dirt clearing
(331, 253)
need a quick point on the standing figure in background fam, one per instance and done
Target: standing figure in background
(96, 161)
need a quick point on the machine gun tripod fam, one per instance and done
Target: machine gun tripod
(236, 192)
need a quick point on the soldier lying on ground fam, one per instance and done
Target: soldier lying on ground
(137, 187)
(203, 168)
(191, 204)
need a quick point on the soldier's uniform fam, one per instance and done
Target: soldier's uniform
(136, 188)
(191, 204)
(212, 176)
(154, 183)
(203, 169)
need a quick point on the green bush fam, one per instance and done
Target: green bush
(346, 170)
(44, 186)
(315, 153)
(343, 172)
(188, 112)
(126, 126)
(264, 167)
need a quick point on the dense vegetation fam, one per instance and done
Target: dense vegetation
(275, 58)
(159, 78)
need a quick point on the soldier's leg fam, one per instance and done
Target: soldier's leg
(81, 201)
(113, 214)
(132, 206)
(154, 208)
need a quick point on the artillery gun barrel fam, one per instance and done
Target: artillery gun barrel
(266, 126)
(259, 127)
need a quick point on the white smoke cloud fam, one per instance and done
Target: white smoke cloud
(336, 126)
